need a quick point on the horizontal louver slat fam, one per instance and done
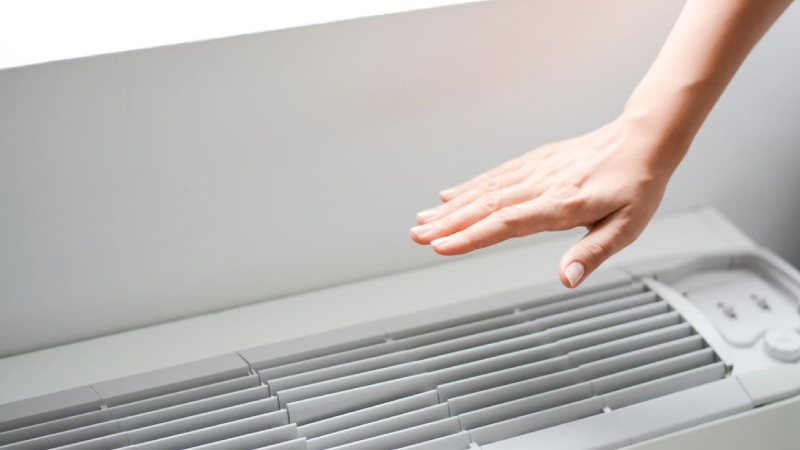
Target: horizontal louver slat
(326, 406)
(369, 414)
(54, 426)
(607, 320)
(445, 317)
(494, 364)
(294, 444)
(199, 407)
(63, 438)
(172, 379)
(582, 301)
(502, 377)
(350, 382)
(472, 341)
(45, 408)
(510, 392)
(185, 396)
(629, 344)
(333, 359)
(313, 346)
(641, 357)
(589, 312)
(664, 386)
(380, 427)
(216, 433)
(258, 439)
(263, 408)
(113, 441)
(338, 371)
(525, 406)
(484, 352)
(615, 332)
(536, 421)
(456, 332)
(458, 441)
(407, 437)
(654, 371)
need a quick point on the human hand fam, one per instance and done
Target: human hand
(610, 181)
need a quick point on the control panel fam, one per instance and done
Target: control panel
(752, 301)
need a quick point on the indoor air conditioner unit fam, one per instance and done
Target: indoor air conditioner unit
(640, 351)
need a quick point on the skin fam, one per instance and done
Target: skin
(610, 180)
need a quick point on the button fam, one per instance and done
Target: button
(760, 301)
(727, 310)
(782, 344)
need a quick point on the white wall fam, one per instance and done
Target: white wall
(140, 187)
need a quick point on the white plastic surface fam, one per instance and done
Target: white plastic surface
(771, 385)
(745, 304)
(684, 409)
(698, 320)
(783, 344)
(601, 432)
(755, 304)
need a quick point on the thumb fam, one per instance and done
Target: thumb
(603, 240)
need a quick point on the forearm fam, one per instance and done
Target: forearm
(707, 45)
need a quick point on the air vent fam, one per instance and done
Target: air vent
(479, 372)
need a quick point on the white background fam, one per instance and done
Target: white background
(37, 31)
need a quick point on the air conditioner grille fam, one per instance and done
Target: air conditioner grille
(481, 375)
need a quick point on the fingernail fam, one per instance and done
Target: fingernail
(421, 230)
(574, 273)
(447, 193)
(441, 241)
(425, 215)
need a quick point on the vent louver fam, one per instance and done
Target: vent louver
(484, 372)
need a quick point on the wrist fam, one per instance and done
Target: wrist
(676, 107)
(665, 119)
(652, 142)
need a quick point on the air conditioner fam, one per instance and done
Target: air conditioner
(642, 351)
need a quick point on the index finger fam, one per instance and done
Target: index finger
(453, 192)
(519, 220)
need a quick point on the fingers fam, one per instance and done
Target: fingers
(472, 213)
(482, 189)
(513, 221)
(453, 192)
(606, 238)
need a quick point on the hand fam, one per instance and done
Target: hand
(610, 181)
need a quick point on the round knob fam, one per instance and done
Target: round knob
(782, 344)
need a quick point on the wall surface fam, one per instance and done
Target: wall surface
(141, 187)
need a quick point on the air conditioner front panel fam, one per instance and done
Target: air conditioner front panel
(635, 354)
